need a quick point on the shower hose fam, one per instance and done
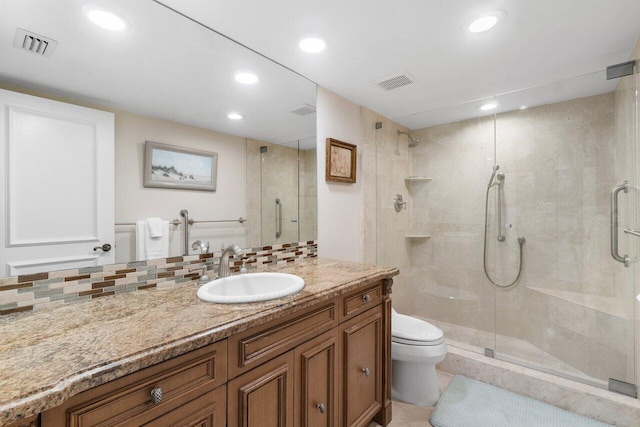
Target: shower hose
(486, 232)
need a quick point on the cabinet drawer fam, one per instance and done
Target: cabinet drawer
(208, 410)
(127, 401)
(361, 301)
(264, 342)
(32, 421)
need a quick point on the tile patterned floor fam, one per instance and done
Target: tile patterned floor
(408, 415)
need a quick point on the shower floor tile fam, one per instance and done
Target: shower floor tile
(511, 349)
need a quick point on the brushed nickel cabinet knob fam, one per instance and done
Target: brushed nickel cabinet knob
(156, 395)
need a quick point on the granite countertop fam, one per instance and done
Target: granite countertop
(50, 355)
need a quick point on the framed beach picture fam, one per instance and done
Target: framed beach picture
(169, 166)
(340, 161)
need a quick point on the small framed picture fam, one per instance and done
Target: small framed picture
(169, 166)
(341, 161)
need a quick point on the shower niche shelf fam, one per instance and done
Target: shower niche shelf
(410, 179)
(417, 236)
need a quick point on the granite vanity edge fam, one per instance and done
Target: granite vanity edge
(42, 400)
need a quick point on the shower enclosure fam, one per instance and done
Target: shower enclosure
(572, 310)
(285, 176)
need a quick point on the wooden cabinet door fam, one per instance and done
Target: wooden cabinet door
(263, 397)
(361, 356)
(317, 378)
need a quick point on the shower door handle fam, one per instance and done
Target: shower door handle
(614, 223)
(278, 218)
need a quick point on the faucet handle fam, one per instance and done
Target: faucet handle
(202, 267)
(245, 260)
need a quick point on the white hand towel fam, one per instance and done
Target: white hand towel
(154, 227)
(151, 247)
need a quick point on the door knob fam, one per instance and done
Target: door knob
(105, 248)
(321, 407)
(366, 372)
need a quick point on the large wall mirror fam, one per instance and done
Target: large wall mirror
(167, 79)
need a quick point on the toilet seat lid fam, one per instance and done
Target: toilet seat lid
(409, 330)
(399, 340)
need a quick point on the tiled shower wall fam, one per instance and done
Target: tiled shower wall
(37, 291)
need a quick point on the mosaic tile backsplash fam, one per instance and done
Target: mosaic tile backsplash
(37, 291)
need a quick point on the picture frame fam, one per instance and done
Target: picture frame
(340, 163)
(171, 166)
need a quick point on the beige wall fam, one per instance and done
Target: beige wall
(308, 184)
(340, 205)
(254, 186)
(135, 202)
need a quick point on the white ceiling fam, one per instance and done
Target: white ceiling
(165, 66)
(170, 67)
(540, 41)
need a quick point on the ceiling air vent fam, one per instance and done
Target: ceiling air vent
(303, 109)
(34, 43)
(395, 81)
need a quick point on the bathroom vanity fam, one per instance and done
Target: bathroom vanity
(320, 357)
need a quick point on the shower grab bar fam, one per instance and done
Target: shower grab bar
(278, 218)
(185, 213)
(241, 220)
(614, 223)
(632, 232)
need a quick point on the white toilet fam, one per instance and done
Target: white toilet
(416, 347)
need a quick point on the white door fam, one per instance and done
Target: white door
(56, 185)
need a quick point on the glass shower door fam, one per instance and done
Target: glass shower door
(279, 192)
(572, 311)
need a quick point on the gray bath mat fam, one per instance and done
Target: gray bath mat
(471, 403)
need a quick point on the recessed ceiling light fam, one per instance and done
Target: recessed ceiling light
(235, 116)
(246, 78)
(524, 107)
(312, 44)
(107, 20)
(488, 106)
(486, 21)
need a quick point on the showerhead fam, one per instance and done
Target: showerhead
(413, 142)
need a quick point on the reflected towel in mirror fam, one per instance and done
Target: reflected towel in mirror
(154, 227)
(148, 247)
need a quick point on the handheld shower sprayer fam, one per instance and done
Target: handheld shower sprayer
(498, 179)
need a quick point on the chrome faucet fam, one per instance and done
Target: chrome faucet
(223, 268)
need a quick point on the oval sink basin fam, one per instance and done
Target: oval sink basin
(251, 287)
